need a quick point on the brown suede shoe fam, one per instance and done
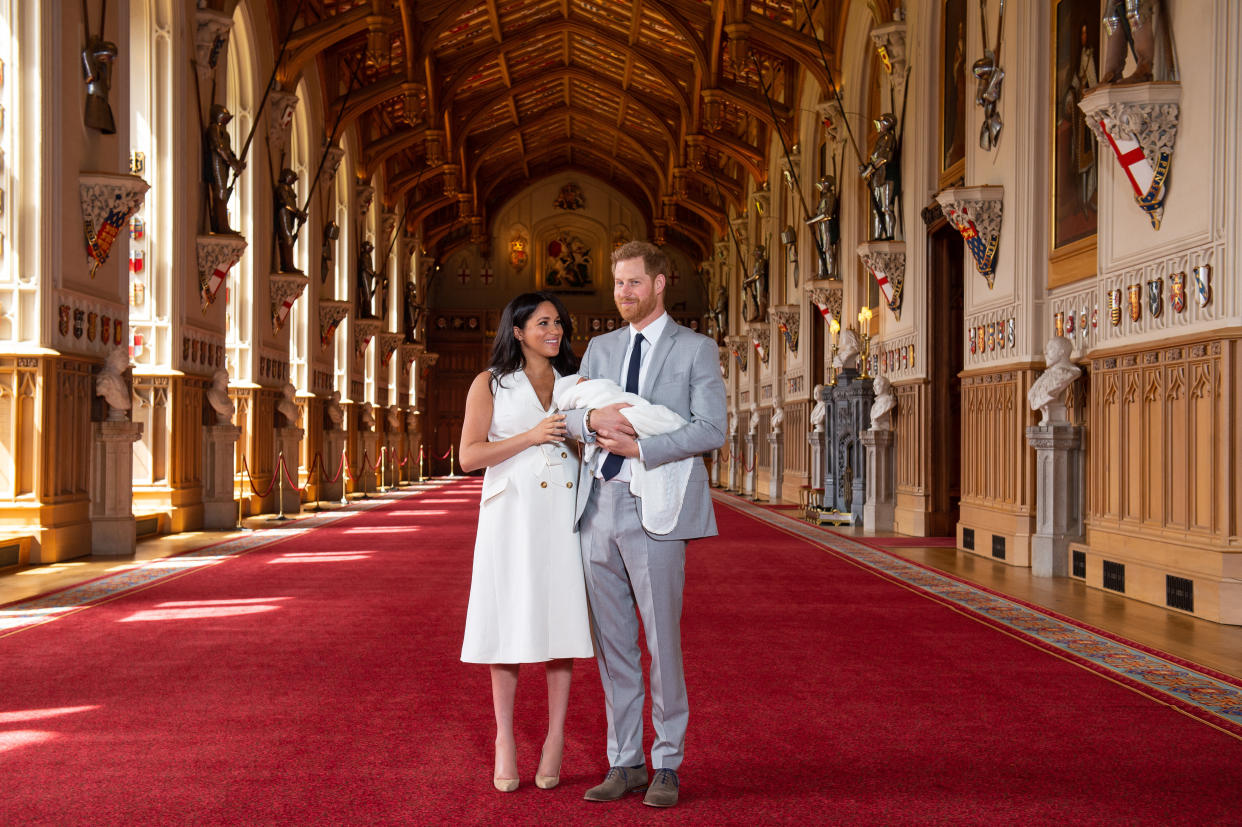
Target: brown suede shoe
(663, 789)
(618, 782)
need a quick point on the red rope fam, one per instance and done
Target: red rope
(748, 468)
(292, 482)
(340, 469)
(250, 479)
(725, 456)
(446, 453)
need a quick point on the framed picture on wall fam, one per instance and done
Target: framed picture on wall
(1075, 155)
(568, 260)
(954, 90)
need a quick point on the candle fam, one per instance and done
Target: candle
(835, 327)
(864, 315)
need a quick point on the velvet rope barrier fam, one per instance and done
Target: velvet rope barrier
(340, 469)
(284, 467)
(751, 467)
(250, 479)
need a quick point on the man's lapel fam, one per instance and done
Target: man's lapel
(668, 340)
(614, 354)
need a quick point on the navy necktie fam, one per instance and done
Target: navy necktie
(612, 462)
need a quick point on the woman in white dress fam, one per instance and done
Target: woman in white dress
(527, 596)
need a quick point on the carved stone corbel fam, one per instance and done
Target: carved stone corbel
(827, 299)
(411, 353)
(284, 288)
(280, 108)
(740, 347)
(332, 162)
(108, 201)
(331, 312)
(365, 194)
(216, 256)
(388, 344)
(887, 262)
(976, 212)
(364, 330)
(761, 339)
(890, 44)
(210, 39)
(788, 318)
(1138, 124)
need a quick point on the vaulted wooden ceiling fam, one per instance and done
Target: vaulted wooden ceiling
(464, 103)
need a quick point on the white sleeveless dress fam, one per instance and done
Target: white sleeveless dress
(527, 595)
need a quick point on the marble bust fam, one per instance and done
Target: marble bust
(111, 385)
(287, 407)
(1047, 391)
(819, 413)
(884, 404)
(848, 349)
(218, 397)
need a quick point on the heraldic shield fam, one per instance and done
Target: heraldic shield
(1177, 292)
(1155, 297)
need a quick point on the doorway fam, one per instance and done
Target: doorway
(945, 326)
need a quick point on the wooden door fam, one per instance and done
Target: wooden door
(946, 303)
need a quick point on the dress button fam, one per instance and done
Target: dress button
(564, 455)
(569, 485)
(543, 484)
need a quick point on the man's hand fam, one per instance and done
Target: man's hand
(609, 422)
(619, 444)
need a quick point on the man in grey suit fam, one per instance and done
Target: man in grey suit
(626, 566)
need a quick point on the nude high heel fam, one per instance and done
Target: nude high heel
(505, 785)
(546, 782)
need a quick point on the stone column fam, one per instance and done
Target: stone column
(289, 441)
(735, 462)
(1058, 496)
(881, 483)
(219, 450)
(816, 440)
(112, 487)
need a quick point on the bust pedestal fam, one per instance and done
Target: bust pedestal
(288, 441)
(1058, 496)
(735, 463)
(776, 456)
(219, 507)
(364, 464)
(751, 451)
(880, 481)
(113, 532)
(332, 482)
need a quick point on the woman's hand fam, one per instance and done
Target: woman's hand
(550, 430)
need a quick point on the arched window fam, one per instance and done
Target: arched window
(241, 101)
(12, 289)
(301, 162)
(343, 266)
(370, 231)
(151, 247)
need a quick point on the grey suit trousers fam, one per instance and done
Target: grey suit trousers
(625, 568)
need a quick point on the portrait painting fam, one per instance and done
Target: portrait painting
(567, 261)
(1075, 156)
(953, 85)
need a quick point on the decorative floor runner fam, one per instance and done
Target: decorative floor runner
(1212, 697)
(56, 604)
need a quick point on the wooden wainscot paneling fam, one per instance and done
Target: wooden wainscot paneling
(797, 449)
(1162, 458)
(911, 426)
(998, 469)
(65, 396)
(311, 411)
(189, 415)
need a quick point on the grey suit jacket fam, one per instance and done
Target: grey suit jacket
(684, 376)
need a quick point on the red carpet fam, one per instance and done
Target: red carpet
(316, 681)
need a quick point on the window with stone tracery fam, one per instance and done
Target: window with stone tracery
(240, 99)
(342, 250)
(301, 162)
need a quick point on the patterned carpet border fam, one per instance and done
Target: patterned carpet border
(23, 614)
(1211, 697)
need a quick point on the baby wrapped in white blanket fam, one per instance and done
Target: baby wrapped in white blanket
(661, 489)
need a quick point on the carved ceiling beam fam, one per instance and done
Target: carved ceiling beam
(636, 21)
(467, 62)
(556, 115)
(782, 40)
(728, 188)
(493, 17)
(712, 215)
(410, 28)
(306, 43)
(367, 98)
(380, 151)
(634, 181)
(565, 74)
